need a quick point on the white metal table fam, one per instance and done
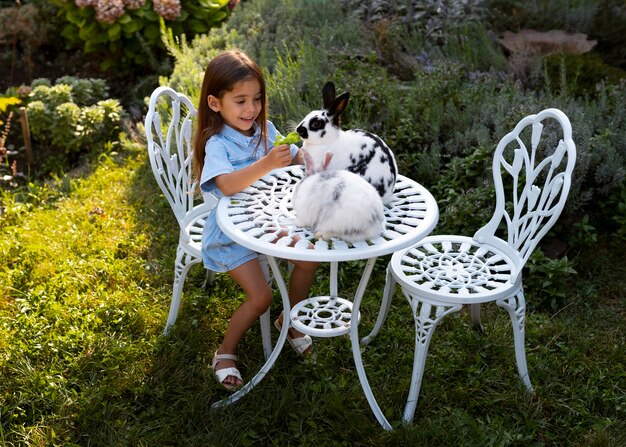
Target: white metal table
(261, 218)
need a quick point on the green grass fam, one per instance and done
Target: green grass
(86, 283)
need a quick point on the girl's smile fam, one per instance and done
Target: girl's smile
(240, 106)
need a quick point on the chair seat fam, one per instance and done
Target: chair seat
(455, 270)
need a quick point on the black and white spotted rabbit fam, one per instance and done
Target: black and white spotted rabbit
(337, 203)
(355, 150)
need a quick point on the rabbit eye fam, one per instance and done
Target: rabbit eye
(316, 124)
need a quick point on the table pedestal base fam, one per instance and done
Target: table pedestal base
(322, 316)
(325, 307)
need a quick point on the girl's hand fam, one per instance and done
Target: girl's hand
(279, 156)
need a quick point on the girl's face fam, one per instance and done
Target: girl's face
(239, 107)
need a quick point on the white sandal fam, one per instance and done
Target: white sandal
(222, 374)
(300, 344)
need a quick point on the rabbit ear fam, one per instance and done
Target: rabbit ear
(339, 104)
(328, 156)
(328, 93)
(309, 167)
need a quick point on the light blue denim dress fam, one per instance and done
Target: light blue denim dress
(228, 151)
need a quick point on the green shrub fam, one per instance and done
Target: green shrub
(580, 74)
(126, 36)
(72, 118)
(548, 280)
(613, 213)
(85, 91)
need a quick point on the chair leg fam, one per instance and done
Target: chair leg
(475, 315)
(209, 279)
(183, 263)
(266, 327)
(390, 286)
(427, 317)
(516, 306)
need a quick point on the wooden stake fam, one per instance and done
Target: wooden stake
(26, 135)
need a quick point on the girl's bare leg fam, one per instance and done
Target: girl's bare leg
(301, 279)
(259, 296)
(300, 282)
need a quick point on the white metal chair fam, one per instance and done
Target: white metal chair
(532, 169)
(168, 128)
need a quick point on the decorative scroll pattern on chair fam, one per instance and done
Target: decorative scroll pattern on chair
(530, 189)
(171, 151)
(427, 316)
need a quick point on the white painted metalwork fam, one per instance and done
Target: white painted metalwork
(322, 316)
(532, 169)
(169, 130)
(261, 218)
(263, 215)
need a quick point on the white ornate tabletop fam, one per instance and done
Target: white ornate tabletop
(261, 218)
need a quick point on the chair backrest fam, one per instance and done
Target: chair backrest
(532, 171)
(168, 128)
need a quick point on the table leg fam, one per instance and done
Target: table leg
(356, 347)
(284, 293)
(334, 268)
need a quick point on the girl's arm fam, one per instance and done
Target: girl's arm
(298, 159)
(235, 181)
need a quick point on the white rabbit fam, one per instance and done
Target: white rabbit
(357, 151)
(337, 203)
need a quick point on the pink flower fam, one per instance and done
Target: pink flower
(168, 9)
(108, 11)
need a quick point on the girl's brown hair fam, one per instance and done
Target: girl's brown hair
(222, 73)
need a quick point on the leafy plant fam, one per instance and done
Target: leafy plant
(584, 233)
(126, 34)
(548, 279)
(614, 210)
(72, 117)
(579, 75)
(290, 138)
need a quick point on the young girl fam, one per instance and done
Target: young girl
(233, 149)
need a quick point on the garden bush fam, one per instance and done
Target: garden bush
(125, 34)
(72, 118)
